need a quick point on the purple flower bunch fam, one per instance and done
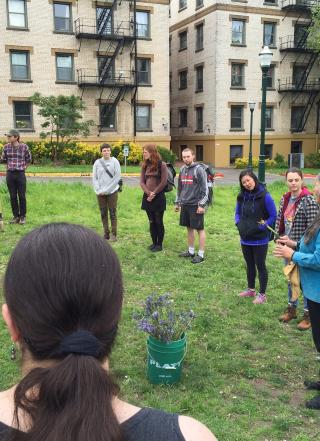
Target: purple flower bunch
(160, 319)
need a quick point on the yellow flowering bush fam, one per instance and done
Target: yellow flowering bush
(243, 163)
(135, 152)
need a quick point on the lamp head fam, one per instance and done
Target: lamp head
(252, 105)
(265, 57)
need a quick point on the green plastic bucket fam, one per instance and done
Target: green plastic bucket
(165, 360)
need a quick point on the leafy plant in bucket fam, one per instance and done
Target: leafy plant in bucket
(161, 320)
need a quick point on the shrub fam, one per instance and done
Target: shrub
(167, 155)
(135, 152)
(313, 160)
(243, 163)
(280, 161)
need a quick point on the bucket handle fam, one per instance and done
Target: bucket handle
(170, 367)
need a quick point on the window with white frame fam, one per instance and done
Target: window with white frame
(20, 67)
(62, 17)
(269, 34)
(143, 24)
(17, 13)
(64, 67)
(238, 32)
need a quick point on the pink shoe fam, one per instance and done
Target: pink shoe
(247, 293)
(261, 298)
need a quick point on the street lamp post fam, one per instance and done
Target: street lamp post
(251, 107)
(265, 61)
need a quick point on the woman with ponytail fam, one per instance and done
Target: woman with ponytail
(63, 293)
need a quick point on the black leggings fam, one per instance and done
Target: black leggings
(156, 226)
(255, 256)
(314, 311)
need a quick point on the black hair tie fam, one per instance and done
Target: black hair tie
(81, 343)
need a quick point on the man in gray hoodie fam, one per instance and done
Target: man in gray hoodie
(192, 198)
(105, 178)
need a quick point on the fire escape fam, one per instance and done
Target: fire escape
(301, 87)
(114, 39)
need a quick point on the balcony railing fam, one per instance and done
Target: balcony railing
(287, 85)
(88, 28)
(290, 43)
(295, 5)
(92, 77)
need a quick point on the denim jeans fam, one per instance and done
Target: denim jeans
(295, 303)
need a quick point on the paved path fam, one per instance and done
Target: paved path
(230, 177)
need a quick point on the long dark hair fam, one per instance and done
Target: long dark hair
(154, 156)
(312, 229)
(62, 278)
(252, 175)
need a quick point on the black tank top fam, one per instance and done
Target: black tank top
(146, 425)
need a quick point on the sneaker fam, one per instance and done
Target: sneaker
(186, 254)
(113, 238)
(260, 298)
(314, 403)
(290, 313)
(156, 248)
(197, 259)
(14, 220)
(305, 323)
(312, 385)
(248, 293)
(22, 220)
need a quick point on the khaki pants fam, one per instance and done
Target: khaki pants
(108, 203)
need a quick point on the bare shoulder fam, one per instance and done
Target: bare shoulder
(6, 406)
(193, 430)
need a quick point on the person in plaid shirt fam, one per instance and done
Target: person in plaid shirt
(296, 212)
(17, 156)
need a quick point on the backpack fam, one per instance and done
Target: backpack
(210, 180)
(171, 175)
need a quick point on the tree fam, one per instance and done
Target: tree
(63, 119)
(314, 30)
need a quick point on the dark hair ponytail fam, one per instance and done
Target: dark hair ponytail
(63, 287)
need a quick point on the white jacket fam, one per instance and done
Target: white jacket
(102, 182)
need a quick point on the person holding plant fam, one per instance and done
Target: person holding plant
(297, 210)
(255, 211)
(153, 179)
(306, 254)
(64, 321)
(17, 156)
(105, 178)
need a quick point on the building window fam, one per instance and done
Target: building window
(236, 151)
(237, 75)
(236, 118)
(183, 79)
(268, 151)
(199, 78)
(238, 32)
(107, 116)
(104, 21)
(143, 24)
(105, 69)
(143, 117)
(300, 35)
(62, 17)
(199, 37)
(199, 152)
(297, 113)
(270, 77)
(269, 118)
(22, 115)
(65, 71)
(182, 4)
(269, 34)
(17, 13)
(144, 70)
(299, 75)
(199, 119)
(183, 40)
(183, 118)
(199, 3)
(20, 68)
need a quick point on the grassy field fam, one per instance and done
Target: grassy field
(68, 168)
(244, 370)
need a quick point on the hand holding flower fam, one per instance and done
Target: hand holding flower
(283, 251)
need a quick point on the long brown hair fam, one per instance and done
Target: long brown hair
(62, 281)
(154, 156)
(312, 229)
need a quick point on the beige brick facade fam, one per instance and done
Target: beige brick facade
(41, 41)
(218, 96)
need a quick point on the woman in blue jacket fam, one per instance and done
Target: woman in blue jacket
(306, 254)
(254, 204)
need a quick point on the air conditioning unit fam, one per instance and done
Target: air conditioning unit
(296, 160)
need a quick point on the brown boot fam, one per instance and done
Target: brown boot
(305, 324)
(289, 314)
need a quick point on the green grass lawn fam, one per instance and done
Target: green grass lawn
(244, 370)
(68, 168)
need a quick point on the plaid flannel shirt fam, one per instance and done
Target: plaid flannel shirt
(17, 157)
(306, 211)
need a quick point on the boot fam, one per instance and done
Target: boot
(289, 314)
(305, 323)
(312, 385)
(314, 403)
